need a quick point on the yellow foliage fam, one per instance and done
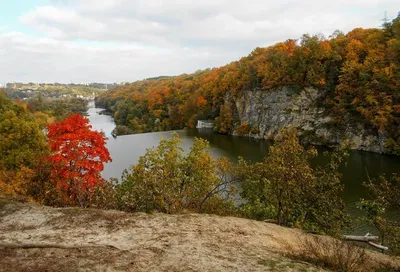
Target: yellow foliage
(17, 182)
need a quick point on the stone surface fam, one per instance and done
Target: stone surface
(273, 110)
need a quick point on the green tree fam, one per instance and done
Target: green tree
(166, 180)
(286, 188)
(22, 144)
(384, 196)
(325, 208)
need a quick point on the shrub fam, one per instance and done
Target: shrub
(385, 195)
(122, 130)
(168, 181)
(285, 187)
(104, 196)
(243, 129)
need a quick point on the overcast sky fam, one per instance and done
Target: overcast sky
(127, 40)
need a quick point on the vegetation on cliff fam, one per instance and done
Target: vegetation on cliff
(359, 72)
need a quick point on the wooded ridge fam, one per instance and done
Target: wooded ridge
(356, 74)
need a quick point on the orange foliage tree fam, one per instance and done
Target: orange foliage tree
(78, 157)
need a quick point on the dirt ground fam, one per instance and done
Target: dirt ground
(97, 240)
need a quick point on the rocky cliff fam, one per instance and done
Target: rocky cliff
(270, 111)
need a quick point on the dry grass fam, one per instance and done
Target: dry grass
(337, 255)
(334, 254)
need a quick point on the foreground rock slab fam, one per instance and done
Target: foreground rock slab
(72, 239)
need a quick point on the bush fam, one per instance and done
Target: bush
(168, 181)
(104, 196)
(243, 129)
(385, 195)
(285, 187)
(122, 130)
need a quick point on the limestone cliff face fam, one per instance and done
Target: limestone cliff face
(270, 111)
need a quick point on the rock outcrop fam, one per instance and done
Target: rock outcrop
(40, 238)
(270, 111)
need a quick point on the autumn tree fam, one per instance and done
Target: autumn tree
(285, 187)
(168, 181)
(58, 108)
(22, 145)
(78, 157)
(384, 196)
(224, 123)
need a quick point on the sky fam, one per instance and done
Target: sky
(85, 41)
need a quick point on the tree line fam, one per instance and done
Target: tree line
(56, 90)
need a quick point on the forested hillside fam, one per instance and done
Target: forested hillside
(358, 73)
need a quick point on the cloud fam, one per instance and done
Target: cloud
(216, 21)
(30, 59)
(118, 40)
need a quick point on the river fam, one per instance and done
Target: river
(125, 151)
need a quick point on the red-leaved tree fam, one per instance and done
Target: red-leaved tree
(78, 157)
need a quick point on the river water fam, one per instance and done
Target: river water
(125, 151)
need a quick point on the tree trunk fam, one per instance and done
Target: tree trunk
(367, 238)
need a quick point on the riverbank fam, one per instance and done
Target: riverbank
(99, 240)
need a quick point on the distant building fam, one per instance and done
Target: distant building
(205, 124)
